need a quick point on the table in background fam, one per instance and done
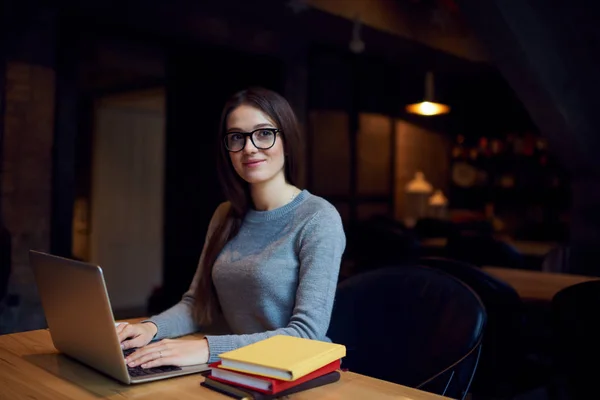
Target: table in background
(525, 247)
(31, 368)
(536, 285)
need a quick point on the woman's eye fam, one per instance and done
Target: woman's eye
(265, 133)
(236, 136)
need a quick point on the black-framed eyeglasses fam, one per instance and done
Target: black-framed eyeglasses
(262, 138)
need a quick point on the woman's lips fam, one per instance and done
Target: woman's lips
(253, 164)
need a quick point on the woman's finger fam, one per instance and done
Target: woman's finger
(144, 348)
(137, 341)
(163, 358)
(143, 352)
(163, 344)
(125, 332)
(120, 326)
(147, 357)
(137, 357)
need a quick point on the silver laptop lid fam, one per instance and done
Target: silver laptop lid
(78, 312)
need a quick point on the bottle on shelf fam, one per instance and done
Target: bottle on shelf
(459, 151)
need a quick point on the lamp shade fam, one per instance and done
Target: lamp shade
(428, 107)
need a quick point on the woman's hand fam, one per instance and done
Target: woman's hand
(179, 352)
(139, 335)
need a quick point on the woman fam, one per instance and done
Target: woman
(272, 252)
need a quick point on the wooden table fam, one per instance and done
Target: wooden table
(536, 285)
(31, 368)
(525, 247)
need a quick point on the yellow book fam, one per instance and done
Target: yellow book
(282, 357)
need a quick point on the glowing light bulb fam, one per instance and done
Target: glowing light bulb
(428, 108)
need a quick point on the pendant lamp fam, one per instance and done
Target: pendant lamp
(428, 107)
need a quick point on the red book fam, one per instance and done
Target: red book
(264, 384)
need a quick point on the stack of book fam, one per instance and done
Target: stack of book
(275, 367)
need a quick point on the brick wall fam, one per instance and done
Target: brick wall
(27, 176)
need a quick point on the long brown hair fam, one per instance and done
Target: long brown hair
(237, 191)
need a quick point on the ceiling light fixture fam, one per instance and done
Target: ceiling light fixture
(356, 45)
(428, 107)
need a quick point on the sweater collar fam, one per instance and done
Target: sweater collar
(270, 215)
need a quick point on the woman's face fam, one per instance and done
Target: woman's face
(253, 164)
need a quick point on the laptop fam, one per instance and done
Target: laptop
(81, 322)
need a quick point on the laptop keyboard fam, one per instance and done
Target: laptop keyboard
(139, 371)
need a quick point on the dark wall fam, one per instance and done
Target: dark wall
(199, 81)
(3, 54)
(66, 129)
(549, 54)
(5, 239)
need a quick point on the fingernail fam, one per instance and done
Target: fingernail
(144, 365)
(132, 364)
(122, 347)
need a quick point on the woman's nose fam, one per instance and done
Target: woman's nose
(249, 147)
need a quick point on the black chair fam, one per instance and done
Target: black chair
(386, 221)
(557, 259)
(473, 227)
(481, 250)
(550, 230)
(375, 243)
(573, 259)
(583, 259)
(433, 228)
(507, 366)
(5, 260)
(577, 333)
(412, 325)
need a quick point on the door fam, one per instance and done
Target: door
(127, 196)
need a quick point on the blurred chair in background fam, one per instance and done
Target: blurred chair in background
(9, 303)
(473, 227)
(583, 259)
(376, 242)
(483, 250)
(573, 259)
(5, 260)
(433, 228)
(411, 325)
(550, 230)
(577, 345)
(557, 259)
(507, 366)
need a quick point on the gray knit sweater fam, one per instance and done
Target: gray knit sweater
(277, 276)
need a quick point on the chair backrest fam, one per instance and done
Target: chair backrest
(557, 259)
(573, 259)
(583, 259)
(433, 228)
(576, 329)
(5, 260)
(384, 220)
(483, 250)
(502, 341)
(473, 227)
(410, 325)
(374, 243)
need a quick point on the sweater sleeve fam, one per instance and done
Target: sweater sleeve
(321, 245)
(178, 320)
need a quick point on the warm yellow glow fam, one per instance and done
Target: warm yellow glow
(428, 108)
